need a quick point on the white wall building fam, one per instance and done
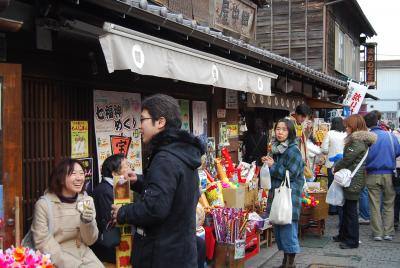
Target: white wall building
(388, 91)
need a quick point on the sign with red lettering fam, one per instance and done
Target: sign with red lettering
(355, 96)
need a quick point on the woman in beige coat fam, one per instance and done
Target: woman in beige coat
(73, 219)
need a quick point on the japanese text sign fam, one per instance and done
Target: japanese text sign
(355, 96)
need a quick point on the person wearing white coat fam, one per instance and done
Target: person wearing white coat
(333, 146)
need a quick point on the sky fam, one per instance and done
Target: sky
(384, 16)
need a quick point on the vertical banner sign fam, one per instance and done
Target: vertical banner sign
(121, 197)
(355, 96)
(200, 127)
(117, 122)
(370, 65)
(79, 139)
(184, 108)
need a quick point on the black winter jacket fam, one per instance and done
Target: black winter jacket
(103, 197)
(167, 208)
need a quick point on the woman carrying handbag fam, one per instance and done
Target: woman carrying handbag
(286, 158)
(356, 145)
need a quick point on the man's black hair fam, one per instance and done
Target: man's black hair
(303, 110)
(338, 124)
(111, 164)
(160, 105)
(371, 119)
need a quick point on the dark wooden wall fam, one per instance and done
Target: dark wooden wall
(293, 29)
(344, 18)
(57, 88)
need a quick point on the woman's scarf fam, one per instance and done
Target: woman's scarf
(279, 147)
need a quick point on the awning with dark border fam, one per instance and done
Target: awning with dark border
(126, 49)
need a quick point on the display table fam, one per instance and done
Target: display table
(313, 219)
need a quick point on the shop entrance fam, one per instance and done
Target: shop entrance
(10, 155)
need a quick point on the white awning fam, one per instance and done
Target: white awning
(126, 49)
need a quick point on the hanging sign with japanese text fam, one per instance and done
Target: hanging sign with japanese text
(117, 123)
(200, 124)
(238, 16)
(370, 65)
(355, 96)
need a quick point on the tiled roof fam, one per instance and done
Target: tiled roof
(257, 52)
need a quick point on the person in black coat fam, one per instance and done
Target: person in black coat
(165, 215)
(103, 196)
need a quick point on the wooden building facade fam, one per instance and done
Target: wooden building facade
(324, 35)
(50, 73)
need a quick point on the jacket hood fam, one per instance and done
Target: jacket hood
(181, 144)
(367, 137)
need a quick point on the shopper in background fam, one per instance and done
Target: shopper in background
(103, 194)
(73, 219)
(356, 145)
(287, 156)
(381, 162)
(396, 183)
(333, 146)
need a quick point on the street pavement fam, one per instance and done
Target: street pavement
(369, 254)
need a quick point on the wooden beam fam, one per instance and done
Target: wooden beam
(11, 147)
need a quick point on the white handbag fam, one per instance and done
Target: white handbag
(335, 196)
(281, 209)
(343, 177)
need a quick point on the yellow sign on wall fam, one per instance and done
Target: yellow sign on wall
(79, 139)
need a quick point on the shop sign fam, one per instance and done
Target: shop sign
(279, 102)
(231, 99)
(238, 16)
(79, 139)
(355, 96)
(117, 126)
(370, 65)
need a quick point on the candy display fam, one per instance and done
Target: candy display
(230, 224)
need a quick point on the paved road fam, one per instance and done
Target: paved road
(369, 254)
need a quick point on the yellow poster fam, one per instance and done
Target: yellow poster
(79, 139)
(122, 197)
(232, 130)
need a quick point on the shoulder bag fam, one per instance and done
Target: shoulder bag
(343, 177)
(281, 208)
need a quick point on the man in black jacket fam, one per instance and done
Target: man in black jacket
(165, 216)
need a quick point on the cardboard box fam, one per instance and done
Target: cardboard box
(250, 195)
(225, 257)
(234, 198)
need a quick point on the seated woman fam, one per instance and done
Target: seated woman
(115, 165)
(73, 226)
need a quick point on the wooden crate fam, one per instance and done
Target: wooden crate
(319, 212)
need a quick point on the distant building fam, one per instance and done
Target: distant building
(388, 91)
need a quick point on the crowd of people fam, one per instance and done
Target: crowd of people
(165, 214)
